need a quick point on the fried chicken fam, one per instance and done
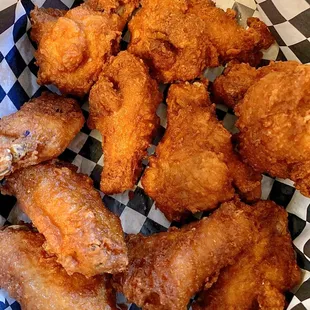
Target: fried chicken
(123, 107)
(124, 8)
(179, 39)
(63, 205)
(166, 269)
(230, 39)
(195, 167)
(274, 125)
(262, 273)
(231, 87)
(38, 282)
(39, 131)
(73, 46)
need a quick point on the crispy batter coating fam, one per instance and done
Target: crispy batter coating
(231, 87)
(171, 41)
(63, 205)
(179, 39)
(124, 8)
(274, 125)
(38, 282)
(262, 273)
(195, 167)
(166, 269)
(39, 131)
(123, 107)
(73, 48)
(230, 39)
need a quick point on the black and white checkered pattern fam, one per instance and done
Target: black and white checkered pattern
(136, 210)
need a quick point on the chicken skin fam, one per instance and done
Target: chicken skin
(262, 273)
(73, 46)
(273, 121)
(124, 8)
(123, 107)
(166, 269)
(41, 130)
(63, 205)
(38, 282)
(179, 39)
(230, 87)
(195, 167)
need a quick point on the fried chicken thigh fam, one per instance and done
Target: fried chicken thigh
(195, 167)
(123, 107)
(262, 273)
(179, 39)
(274, 123)
(38, 282)
(73, 46)
(63, 205)
(166, 269)
(231, 87)
(39, 131)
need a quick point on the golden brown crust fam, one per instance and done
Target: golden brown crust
(231, 87)
(262, 273)
(124, 8)
(38, 132)
(38, 282)
(73, 48)
(123, 107)
(195, 168)
(178, 39)
(166, 269)
(68, 211)
(274, 122)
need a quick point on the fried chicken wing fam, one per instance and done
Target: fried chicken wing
(38, 282)
(63, 205)
(73, 46)
(166, 269)
(230, 39)
(123, 107)
(262, 273)
(39, 131)
(274, 125)
(195, 167)
(179, 39)
(231, 87)
(124, 8)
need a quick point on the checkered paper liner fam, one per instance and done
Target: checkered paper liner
(289, 22)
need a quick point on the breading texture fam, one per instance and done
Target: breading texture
(195, 167)
(41, 130)
(38, 282)
(262, 273)
(124, 8)
(166, 269)
(230, 87)
(274, 125)
(123, 107)
(73, 46)
(63, 205)
(179, 39)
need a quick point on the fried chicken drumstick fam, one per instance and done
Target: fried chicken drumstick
(166, 269)
(38, 282)
(195, 167)
(123, 107)
(179, 39)
(41, 130)
(63, 205)
(73, 46)
(273, 112)
(262, 273)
